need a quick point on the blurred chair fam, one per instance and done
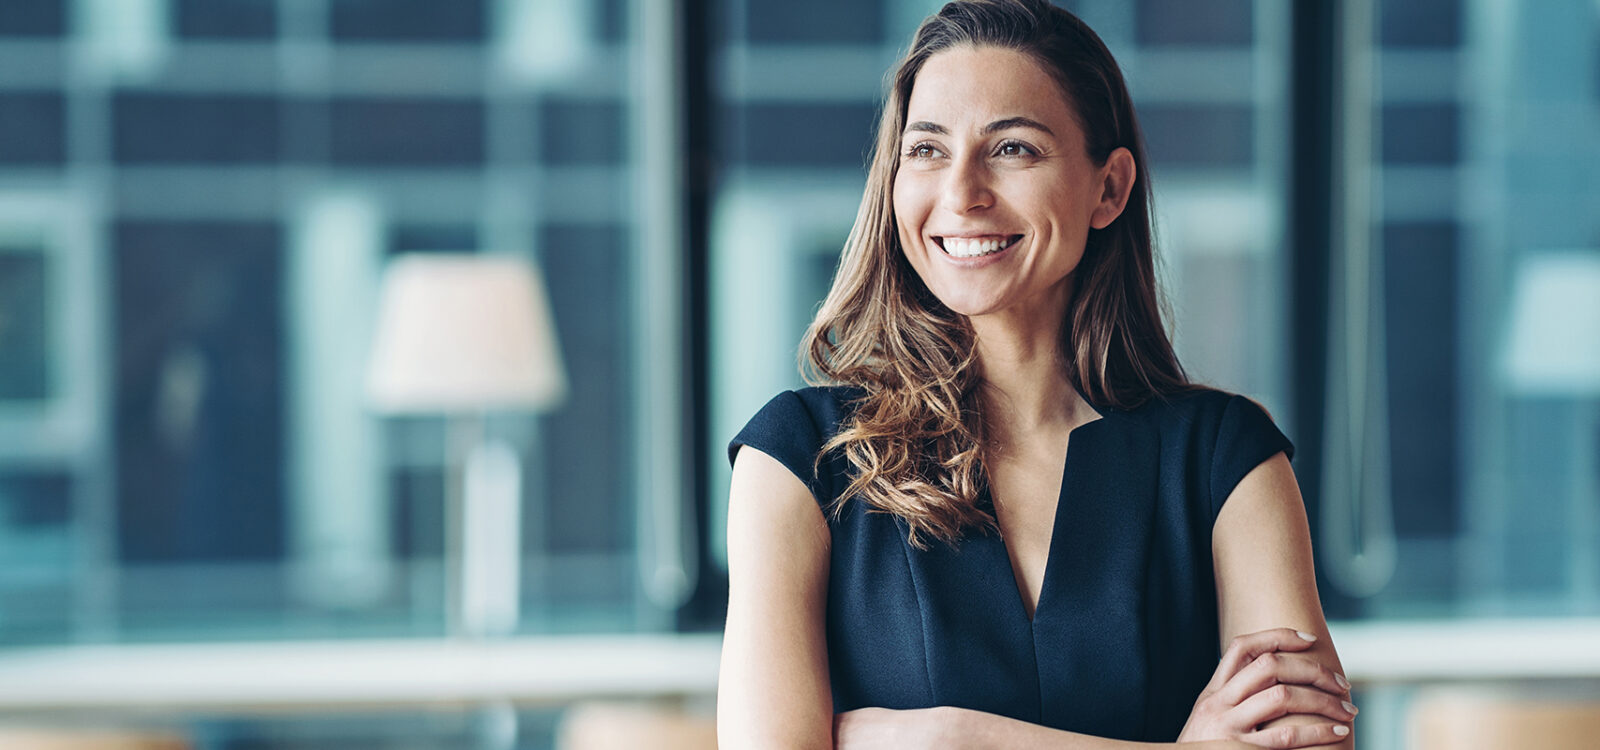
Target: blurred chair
(89, 739)
(1443, 720)
(628, 726)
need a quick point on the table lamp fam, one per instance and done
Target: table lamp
(463, 336)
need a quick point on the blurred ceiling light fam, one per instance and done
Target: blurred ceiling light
(539, 41)
(123, 40)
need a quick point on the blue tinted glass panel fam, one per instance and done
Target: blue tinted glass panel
(24, 326)
(225, 19)
(586, 445)
(32, 128)
(820, 21)
(1421, 279)
(1183, 22)
(35, 500)
(1420, 23)
(407, 20)
(1421, 133)
(1537, 537)
(306, 130)
(583, 132)
(1199, 135)
(803, 135)
(195, 129)
(37, 555)
(433, 238)
(407, 132)
(33, 18)
(418, 521)
(613, 20)
(198, 333)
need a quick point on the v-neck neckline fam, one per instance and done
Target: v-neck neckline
(1017, 596)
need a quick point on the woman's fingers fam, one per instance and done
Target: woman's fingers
(1279, 668)
(1291, 737)
(1281, 700)
(1245, 648)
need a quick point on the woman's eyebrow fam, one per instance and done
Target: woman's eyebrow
(1015, 122)
(923, 126)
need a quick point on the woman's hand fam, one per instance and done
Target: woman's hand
(915, 729)
(1257, 682)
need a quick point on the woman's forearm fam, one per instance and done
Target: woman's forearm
(986, 731)
(965, 729)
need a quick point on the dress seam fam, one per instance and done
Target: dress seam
(922, 618)
(1144, 600)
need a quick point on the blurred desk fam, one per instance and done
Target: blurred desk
(344, 675)
(79, 739)
(1477, 650)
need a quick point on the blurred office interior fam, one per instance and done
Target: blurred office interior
(1380, 218)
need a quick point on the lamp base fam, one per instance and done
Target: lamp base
(483, 534)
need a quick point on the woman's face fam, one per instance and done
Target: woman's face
(995, 194)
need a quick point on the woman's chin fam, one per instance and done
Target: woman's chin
(968, 305)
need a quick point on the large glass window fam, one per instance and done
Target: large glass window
(1462, 469)
(1463, 465)
(197, 200)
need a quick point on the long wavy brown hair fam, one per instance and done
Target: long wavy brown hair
(916, 439)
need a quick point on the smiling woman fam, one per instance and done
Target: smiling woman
(1004, 517)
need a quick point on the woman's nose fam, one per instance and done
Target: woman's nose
(966, 186)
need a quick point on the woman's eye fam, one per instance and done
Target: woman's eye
(1012, 148)
(922, 151)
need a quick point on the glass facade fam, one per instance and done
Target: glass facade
(196, 199)
(1473, 211)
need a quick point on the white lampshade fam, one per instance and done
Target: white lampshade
(1554, 346)
(464, 333)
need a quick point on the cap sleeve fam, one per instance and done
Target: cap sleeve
(785, 430)
(1246, 437)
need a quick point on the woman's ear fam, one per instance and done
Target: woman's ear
(1116, 183)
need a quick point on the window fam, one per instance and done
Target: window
(191, 235)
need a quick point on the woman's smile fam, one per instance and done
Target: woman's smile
(958, 246)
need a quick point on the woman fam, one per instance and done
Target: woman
(1012, 522)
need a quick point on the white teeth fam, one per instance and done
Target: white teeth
(971, 248)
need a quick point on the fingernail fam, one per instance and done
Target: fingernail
(1306, 636)
(1343, 683)
(1341, 729)
(1351, 707)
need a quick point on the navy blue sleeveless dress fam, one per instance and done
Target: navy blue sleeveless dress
(1124, 635)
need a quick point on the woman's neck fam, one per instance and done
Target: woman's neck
(1027, 385)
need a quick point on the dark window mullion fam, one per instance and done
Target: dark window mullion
(1314, 64)
(707, 607)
